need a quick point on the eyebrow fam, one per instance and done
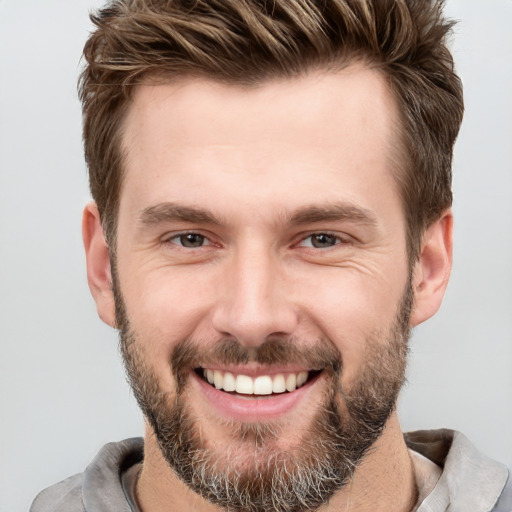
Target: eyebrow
(168, 212)
(333, 212)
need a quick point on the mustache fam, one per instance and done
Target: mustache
(191, 354)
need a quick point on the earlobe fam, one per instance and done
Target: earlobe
(99, 274)
(432, 270)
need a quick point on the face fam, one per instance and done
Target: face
(262, 284)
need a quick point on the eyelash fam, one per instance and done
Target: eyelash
(169, 239)
(338, 240)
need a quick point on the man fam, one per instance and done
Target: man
(271, 217)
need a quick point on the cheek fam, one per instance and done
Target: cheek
(353, 310)
(165, 303)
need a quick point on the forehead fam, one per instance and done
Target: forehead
(204, 110)
(303, 135)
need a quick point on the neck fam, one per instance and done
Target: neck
(384, 481)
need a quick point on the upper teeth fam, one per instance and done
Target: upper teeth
(261, 385)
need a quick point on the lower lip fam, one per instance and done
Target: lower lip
(253, 409)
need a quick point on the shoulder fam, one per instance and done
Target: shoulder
(504, 503)
(99, 487)
(469, 481)
(66, 496)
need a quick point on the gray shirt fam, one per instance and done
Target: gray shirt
(469, 482)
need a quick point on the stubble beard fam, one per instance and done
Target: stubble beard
(303, 477)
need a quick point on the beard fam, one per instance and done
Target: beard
(254, 473)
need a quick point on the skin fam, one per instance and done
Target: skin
(253, 158)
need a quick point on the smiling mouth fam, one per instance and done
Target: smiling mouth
(262, 385)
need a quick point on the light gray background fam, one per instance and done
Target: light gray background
(62, 388)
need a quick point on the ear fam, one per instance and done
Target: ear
(97, 255)
(432, 269)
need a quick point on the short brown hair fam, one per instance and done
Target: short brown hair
(250, 41)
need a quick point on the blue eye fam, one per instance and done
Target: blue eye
(190, 240)
(320, 241)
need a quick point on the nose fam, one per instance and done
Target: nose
(254, 304)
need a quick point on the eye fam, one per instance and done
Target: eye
(320, 241)
(190, 240)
